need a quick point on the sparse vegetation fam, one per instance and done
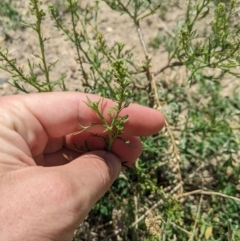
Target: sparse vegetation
(9, 17)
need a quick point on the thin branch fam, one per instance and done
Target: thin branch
(155, 205)
(115, 233)
(165, 28)
(170, 133)
(76, 41)
(140, 35)
(41, 40)
(196, 220)
(136, 209)
(210, 193)
(174, 64)
(180, 228)
(150, 13)
(101, 226)
(125, 8)
(158, 203)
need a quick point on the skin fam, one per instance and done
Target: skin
(47, 187)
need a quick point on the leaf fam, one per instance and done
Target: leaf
(84, 128)
(208, 232)
(229, 231)
(205, 13)
(237, 233)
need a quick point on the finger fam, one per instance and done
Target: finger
(60, 113)
(127, 148)
(58, 158)
(64, 193)
(93, 174)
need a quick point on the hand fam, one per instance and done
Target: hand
(47, 187)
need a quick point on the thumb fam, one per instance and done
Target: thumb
(91, 175)
(62, 196)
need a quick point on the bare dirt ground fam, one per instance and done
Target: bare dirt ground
(23, 42)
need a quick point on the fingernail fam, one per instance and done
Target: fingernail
(114, 164)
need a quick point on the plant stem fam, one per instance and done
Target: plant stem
(38, 29)
(16, 70)
(140, 35)
(76, 38)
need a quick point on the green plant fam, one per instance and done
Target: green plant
(120, 76)
(185, 186)
(9, 16)
(18, 74)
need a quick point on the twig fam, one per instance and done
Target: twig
(136, 209)
(140, 35)
(38, 28)
(192, 175)
(175, 188)
(174, 64)
(166, 29)
(180, 228)
(150, 87)
(158, 203)
(175, 149)
(104, 225)
(115, 233)
(202, 192)
(196, 220)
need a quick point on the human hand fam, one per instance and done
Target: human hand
(44, 195)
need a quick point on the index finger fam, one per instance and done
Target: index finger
(61, 112)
